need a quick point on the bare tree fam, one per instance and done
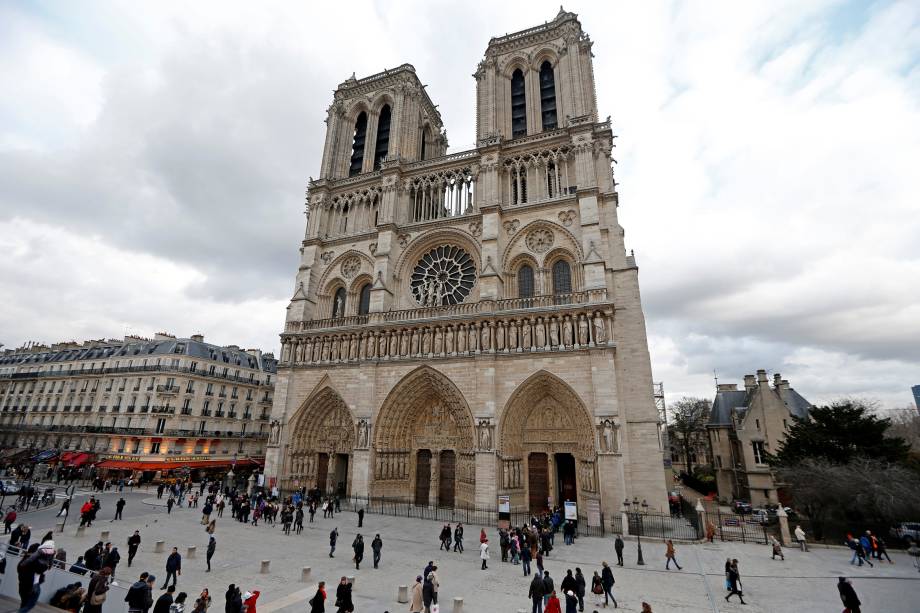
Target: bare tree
(905, 423)
(688, 424)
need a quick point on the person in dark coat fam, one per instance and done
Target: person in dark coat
(376, 546)
(580, 586)
(31, 571)
(112, 559)
(318, 602)
(212, 547)
(458, 538)
(607, 582)
(234, 600)
(535, 593)
(333, 537)
(119, 508)
(343, 597)
(140, 594)
(173, 567)
(98, 586)
(134, 541)
(618, 546)
(427, 592)
(79, 567)
(734, 582)
(525, 560)
(20, 536)
(165, 601)
(358, 547)
(360, 517)
(848, 595)
(548, 587)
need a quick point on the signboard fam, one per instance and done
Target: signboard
(594, 513)
(504, 504)
(571, 511)
(261, 480)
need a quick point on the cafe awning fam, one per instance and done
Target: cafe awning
(174, 464)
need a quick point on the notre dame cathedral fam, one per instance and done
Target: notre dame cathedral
(467, 326)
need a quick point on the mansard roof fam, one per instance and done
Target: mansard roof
(730, 402)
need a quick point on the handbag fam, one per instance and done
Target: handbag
(97, 599)
(597, 589)
(435, 608)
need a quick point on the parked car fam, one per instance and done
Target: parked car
(765, 517)
(742, 507)
(906, 532)
(10, 487)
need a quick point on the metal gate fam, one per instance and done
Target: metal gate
(447, 469)
(422, 476)
(743, 528)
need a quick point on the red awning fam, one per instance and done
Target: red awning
(80, 459)
(160, 465)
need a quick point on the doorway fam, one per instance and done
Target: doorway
(341, 474)
(446, 474)
(322, 471)
(565, 478)
(422, 477)
(538, 481)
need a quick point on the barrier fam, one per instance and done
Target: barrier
(265, 567)
(403, 594)
(190, 554)
(104, 536)
(159, 547)
(458, 604)
(305, 574)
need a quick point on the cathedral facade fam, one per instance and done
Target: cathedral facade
(468, 326)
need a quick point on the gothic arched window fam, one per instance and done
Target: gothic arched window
(338, 303)
(562, 278)
(383, 136)
(424, 143)
(525, 281)
(547, 96)
(364, 302)
(518, 105)
(357, 147)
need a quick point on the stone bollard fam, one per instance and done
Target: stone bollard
(159, 547)
(351, 580)
(59, 527)
(403, 594)
(305, 574)
(458, 604)
(265, 564)
(81, 531)
(192, 550)
(104, 536)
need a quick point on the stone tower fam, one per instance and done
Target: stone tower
(466, 326)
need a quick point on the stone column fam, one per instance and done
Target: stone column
(433, 485)
(360, 478)
(486, 479)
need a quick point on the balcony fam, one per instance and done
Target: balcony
(247, 416)
(186, 411)
(163, 410)
(116, 409)
(219, 414)
(167, 389)
(131, 408)
(206, 412)
(231, 415)
(102, 408)
(264, 417)
(209, 393)
(145, 408)
(222, 395)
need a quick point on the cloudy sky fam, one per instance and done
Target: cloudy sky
(154, 158)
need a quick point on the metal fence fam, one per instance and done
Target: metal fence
(732, 527)
(663, 525)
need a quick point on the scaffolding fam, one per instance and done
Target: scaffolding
(658, 394)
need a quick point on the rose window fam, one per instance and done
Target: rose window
(443, 276)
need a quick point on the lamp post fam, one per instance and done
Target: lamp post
(640, 510)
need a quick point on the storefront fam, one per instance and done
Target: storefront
(171, 468)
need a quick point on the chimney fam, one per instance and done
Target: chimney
(777, 379)
(198, 338)
(727, 387)
(762, 376)
(163, 336)
(749, 383)
(784, 384)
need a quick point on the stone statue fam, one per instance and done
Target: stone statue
(600, 330)
(554, 332)
(608, 436)
(404, 343)
(485, 438)
(382, 346)
(274, 436)
(371, 351)
(339, 308)
(461, 339)
(540, 334)
(486, 338)
(500, 337)
(512, 335)
(567, 332)
(325, 351)
(353, 348)
(525, 335)
(414, 341)
(449, 340)
(582, 330)
(426, 341)
(438, 338)
(363, 434)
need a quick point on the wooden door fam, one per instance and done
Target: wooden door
(422, 477)
(446, 473)
(538, 481)
(322, 472)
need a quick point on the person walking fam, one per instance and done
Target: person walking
(318, 602)
(607, 582)
(777, 549)
(8, 520)
(484, 554)
(119, 508)
(169, 505)
(549, 588)
(31, 573)
(580, 586)
(552, 603)
(212, 547)
(134, 542)
(416, 599)
(670, 555)
(65, 508)
(361, 517)
(535, 593)
(525, 560)
(234, 600)
(571, 602)
(343, 597)
(597, 586)
(800, 537)
(333, 537)
(112, 558)
(173, 567)
(618, 545)
(848, 595)
(165, 601)
(734, 582)
(358, 547)
(140, 595)
(96, 593)
(883, 551)
(249, 600)
(458, 537)
(435, 583)
(376, 546)
(445, 538)
(427, 592)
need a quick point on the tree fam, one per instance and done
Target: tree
(688, 423)
(839, 434)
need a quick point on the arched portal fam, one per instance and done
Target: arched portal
(546, 444)
(424, 442)
(321, 443)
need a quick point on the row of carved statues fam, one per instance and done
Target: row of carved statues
(570, 331)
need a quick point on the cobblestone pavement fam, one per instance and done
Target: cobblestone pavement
(804, 582)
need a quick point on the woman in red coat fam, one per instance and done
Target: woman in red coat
(553, 605)
(482, 536)
(249, 601)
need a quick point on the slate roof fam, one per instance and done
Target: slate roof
(736, 401)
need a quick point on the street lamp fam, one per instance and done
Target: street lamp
(640, 510)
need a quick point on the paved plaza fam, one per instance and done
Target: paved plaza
(804, 582)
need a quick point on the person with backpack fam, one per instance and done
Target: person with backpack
(333, 537)
(549, 588)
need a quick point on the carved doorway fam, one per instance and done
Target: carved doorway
(322, 472)
(446, 475)
(565, 478)
(422, 477)
(341, 474)
(538, 481)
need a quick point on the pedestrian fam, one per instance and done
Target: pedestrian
(79, 567)
(734, 582)
(646, 607)
(458, 538)
(883, 550)
(360, 517)
(710, 531)
(670, 555)
(376, 546)
(848, 595)
(169, 505)
(597, 586)
(777, 549)
(65, 508)
(318, 602)
(134, 542)
(165, 601)
(552, 603)
(800, 537)
(416, 600)
(8, 520)
(358, 547)
(607, 582)
(119, 507)
(571, 602)
(435, 584)
(445, 538)
(343, 597)
(212, 546)
(249, 600)
(178, 605)
(618, 545)
(865, 550)
(206, 511)
(140, 595)
(549, 588)
(427, 592)
(112, 559)
(525, 560)
(173, 567)
(333, 537)
(484, 554)
(580, 586)
(535, 593)
(728, 568)
(97, 592)
(31, 573)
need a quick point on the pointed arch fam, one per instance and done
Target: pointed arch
(323, 422)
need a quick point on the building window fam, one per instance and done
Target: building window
(338, 303)
(562, 278)
(525, 281)
(760, 455)
(757, 424)
(518, 105)
(383, 136)
(547, 96)
(364, 303)
(424, 139)
(155, 448)
(518, 185)
(719, 461)
(161, 426)
(357, 148)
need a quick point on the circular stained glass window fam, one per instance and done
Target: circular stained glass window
(443, 276)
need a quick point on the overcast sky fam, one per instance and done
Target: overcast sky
(154, 158)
